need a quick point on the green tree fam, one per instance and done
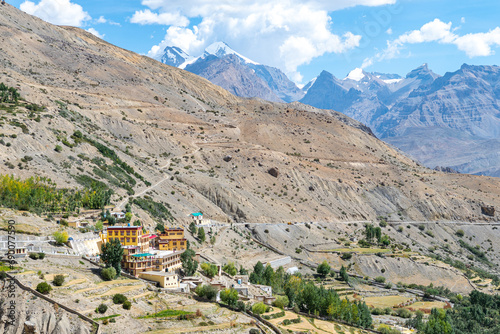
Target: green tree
(99, 226)
(160, 227)
(112, 254)
(243, 271)
(189, 265)
(230, 268)
(323, 269)
(58, 280)
(438, 323)
(259, 308)
(206, 291)
(192, 228)
(128, 217)
(61, 237)
(343, 274)
(108, 274)
(43, 288)
(209, 269)
(258, 272)
(201, 234)
(229, 296)
(281, 302)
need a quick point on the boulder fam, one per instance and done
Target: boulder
(488, 210)
(274, 171)
(228, 158)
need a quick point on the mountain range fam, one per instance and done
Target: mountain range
(94, 113)
(449, 120)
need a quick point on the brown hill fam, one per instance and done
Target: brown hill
(200, 147)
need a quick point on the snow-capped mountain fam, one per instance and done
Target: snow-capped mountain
(174, 56)
(238, 74)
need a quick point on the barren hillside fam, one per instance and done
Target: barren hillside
(197, 147)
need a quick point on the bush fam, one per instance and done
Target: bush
(346, 256)
(108, 274)
(380, 279)
(41, 256)
(119, 298)
(281, 302)
(421, 227)
(460, 233)
(58, 280)
(101, 309)
(259, 308)
(382, 223)
(254, 331)
(384, 329)
(58, 148)
(34, 256)
(3, 275)
(403, 313)
(43, 288)
(127, 305)
(206, 291)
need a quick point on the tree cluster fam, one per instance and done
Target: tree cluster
(39, 194)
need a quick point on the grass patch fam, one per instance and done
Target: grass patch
(360, 250)
(166, 314)
(108, 317)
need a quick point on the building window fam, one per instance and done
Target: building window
(133, 232)
(121, 240)
(122, 233)
(128, 232)
(128, 239)
(133, 239)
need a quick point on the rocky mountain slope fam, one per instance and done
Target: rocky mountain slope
(419, 113)
(442, 121)
(194, 146)
(239, 75)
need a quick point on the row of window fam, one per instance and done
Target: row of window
(122, 233)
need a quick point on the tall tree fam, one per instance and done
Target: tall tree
(112, 254)
(201, 234)
(189, 265)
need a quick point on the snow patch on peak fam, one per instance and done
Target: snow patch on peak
(391, 81)
(357, 74)
(221, 49)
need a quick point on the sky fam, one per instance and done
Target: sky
(301, 37)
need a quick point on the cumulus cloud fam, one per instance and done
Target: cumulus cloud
(62, 12)
(281, 33)
(474, 44)
(95, 33)
(148, 17)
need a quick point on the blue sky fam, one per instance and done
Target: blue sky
(301, 37)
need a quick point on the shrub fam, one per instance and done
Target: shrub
(34, 256)
(41, 256)
(384, 329)
(259, 308)
(3, 275)
(346, 256)
(460, 233)
(403, 313)
(58, 280)
(380, 279)
(382, 223)
(58, 148)
(101, 309)
(421, 227)
(206, 291)
(281, 302)
(119, 298)
(254, 331)
(108, 274)
(43, 288)
(127, 305)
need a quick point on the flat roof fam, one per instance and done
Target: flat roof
(158, 273)
(143, 254)
(197, 214)
(124, 227)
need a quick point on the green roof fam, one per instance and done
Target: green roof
(143, 254)
(196, 214)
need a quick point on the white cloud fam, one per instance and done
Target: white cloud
(148, 17)
(61, 12)
(389, 31)
(95, 33)
(101, 19)
(462, 20)
(474, 44)
(281, 33)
